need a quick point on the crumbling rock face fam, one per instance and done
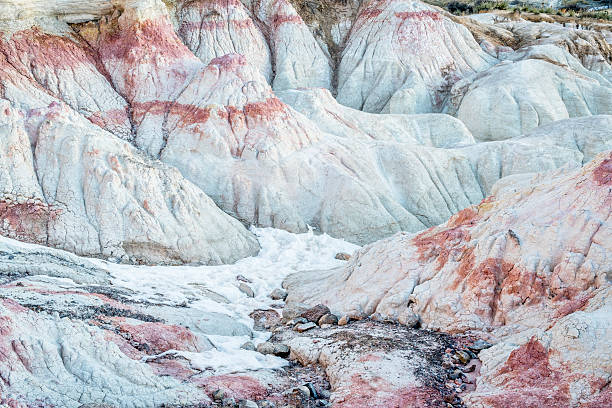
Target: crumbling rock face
(71, 11)
(213, 29)
(370, 364)
(572, 357)
(588, 46)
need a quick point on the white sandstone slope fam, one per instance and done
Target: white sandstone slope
(403, 57)
(553, 73)
(47, 62)
(299, 60)
(157, 215)
(217, 28)
(534, 247)
(89, 192)
(23, 209)
(318, 105)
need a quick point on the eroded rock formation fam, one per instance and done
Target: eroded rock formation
(158, 132)
(529, 267)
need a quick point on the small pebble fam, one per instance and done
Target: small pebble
(455, 374)
(228, 402)
(300, 328)
(463, 356)
(342, 256)
(247, 404)
(248, 346)
(480, 345)
(218, 395)
(278, 294)
(344, 320)
(315, 313)
(246, 289)
(313, 391)
(303, 391)
(328, 319)
(265, 348)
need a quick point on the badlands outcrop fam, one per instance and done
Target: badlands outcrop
(165, 165)
(230, 104)
(528, 267)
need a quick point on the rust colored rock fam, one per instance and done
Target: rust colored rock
(315, 313)
(328, 318)
(342, 256)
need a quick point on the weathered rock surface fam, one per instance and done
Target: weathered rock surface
(150, 131)
(516, 97)
(191, 84)
(371, 364)
(531, 260)
(403, 56)
(86, 191)
(77, 331)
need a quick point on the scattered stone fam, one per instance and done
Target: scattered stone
(463, 356)
(219, 395)
(266, 404)
(324, 394)
(297, 320)
(246, 289)
(315, 313)
(409, 318)
(480, 345)
(243, 279)
(342, 256)
(265, 348)
(328, 319)
(303, 391)
(453, 375)
(293, 310)
(228, 402)
(344, 320)
(265, 320)
(304, 327)
(278, 294)
(280, 350)
(248, 346)
(313, 391)
(247, 404)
